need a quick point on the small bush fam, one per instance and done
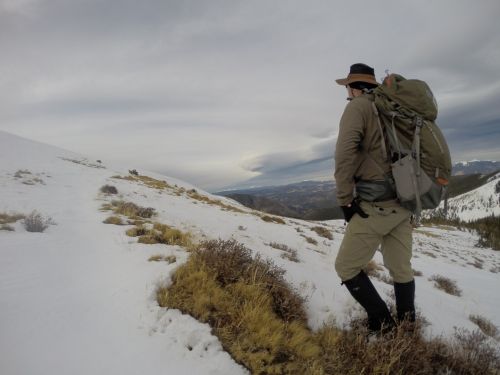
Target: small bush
(116, 220)
(133, 172)
(7, 228)
(487, 327)
(136, 231)
(447, 285)
(261, 322)
(109, 189)
(35, 222)
(323, 232)
(132, 210)
(256, 315)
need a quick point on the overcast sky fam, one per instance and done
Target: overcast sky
(234, 93)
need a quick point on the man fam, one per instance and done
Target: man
(367, 197)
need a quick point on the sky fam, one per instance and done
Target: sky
(230, 93)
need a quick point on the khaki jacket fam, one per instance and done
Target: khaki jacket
(359, 134)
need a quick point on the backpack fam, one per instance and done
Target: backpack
(420, 157)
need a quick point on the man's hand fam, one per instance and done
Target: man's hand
(351, 209)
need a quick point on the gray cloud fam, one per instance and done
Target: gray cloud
(224, 91)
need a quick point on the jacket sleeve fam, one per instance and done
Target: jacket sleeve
(347, 151)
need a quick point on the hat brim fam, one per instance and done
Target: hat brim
(357, 78)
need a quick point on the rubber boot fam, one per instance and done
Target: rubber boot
(405, 300)
(363, 291)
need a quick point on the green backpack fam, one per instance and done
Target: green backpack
(421, 162)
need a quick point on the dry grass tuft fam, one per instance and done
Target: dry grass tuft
(193, 194)
(486, 326)
(273, 219)
(257, 317)
(373, 268)
(132, 210)
(161, 233)
(116, 220)
(10, 218)
(447, 285)
(323, 232)
(406, 351)
(163, 258)
(289, 253)
(310, 240)
(261, 322)
(21, 172)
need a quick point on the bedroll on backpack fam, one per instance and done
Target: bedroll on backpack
(421, 162)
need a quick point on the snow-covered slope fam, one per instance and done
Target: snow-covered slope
(79, 297)
(478, 203)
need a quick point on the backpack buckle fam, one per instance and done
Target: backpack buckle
(418, 121)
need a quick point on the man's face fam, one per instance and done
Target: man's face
(350, 95)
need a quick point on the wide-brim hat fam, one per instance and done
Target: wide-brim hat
(359, 73)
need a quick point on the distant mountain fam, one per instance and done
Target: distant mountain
(315, 200)
(475, 167)
(461, 184)
(475, 204)
(264, 204)
(312, 200)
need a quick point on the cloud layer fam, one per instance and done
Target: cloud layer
(222, 92)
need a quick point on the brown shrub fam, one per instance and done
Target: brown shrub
(289, 253)
(486, 326)
(161, 233)
(116, 220)
(273, 219)
(10, 218)
(445, 284)
(257, 317)
(310, 240)
(222, 285)
(109, 189)
(232, 261)
(406, 351)
(132, 210)
(323, 232)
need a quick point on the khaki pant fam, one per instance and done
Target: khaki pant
(388, 225)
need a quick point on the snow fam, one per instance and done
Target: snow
(80, 297)
(481, 202)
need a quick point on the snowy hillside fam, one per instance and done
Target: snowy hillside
(478, 203)
(79, 298)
